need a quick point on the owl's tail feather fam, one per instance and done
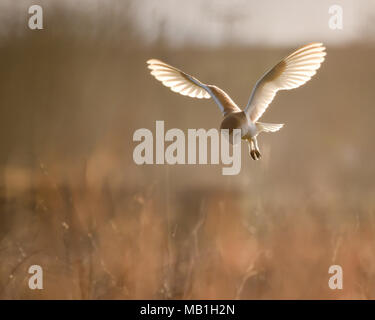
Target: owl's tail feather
(268, 127)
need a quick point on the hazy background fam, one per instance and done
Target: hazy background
(73, 201)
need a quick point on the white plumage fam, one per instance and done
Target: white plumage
(177, 80)
(291, 72)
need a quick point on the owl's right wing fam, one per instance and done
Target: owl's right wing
(185, 84)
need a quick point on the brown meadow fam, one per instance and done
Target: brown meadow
(73, 201)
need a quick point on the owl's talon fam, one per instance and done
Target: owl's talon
(252, 154)
(255, 154)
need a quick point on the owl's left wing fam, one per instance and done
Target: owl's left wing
(291, 72)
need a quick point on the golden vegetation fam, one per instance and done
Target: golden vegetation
(73, 201)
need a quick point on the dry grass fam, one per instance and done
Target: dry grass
(73, 201)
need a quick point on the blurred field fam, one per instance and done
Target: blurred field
(73, 201)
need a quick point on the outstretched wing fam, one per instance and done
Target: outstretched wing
(291, 72)
(185, 84)
(177, 80)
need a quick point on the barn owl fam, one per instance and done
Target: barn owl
(291, 72)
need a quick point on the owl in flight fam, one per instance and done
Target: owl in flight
(291, 72)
